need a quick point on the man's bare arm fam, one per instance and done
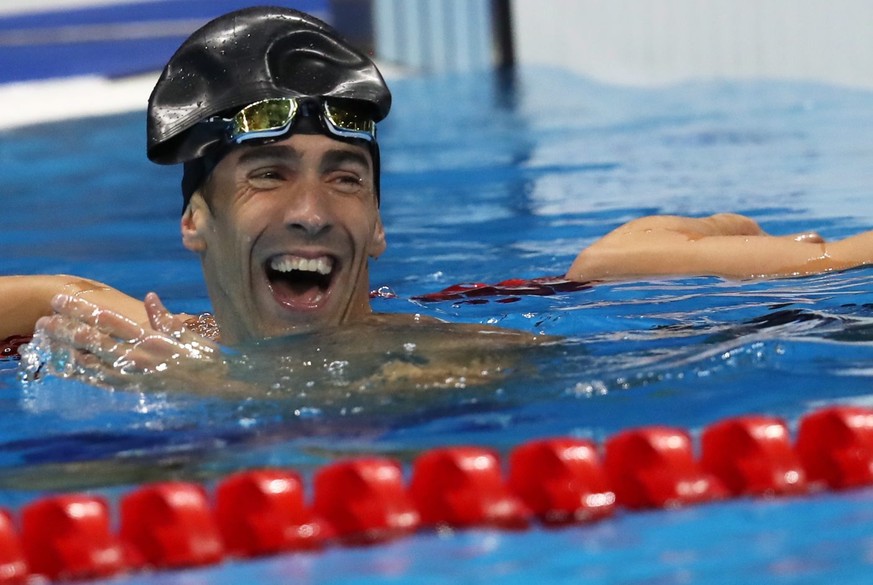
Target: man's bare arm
(726, 245)
(24, 299)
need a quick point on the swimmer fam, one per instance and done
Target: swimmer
(273, 117)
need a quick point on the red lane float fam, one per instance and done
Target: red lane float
(13, 566)
(365, 500)
(559, 480)
(463, 487)
(752, 456)
(655, 467)
(835, 446)
(168, 525)
(69, 537)
(263, 512)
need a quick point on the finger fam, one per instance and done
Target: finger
(89, 368)
(96, 343)
(172, 325)
(85, 366)
(166, 322)
(64, 358)
(88, 313)
(159, 317)
(64, 335)
(160, 352)
(57, 329)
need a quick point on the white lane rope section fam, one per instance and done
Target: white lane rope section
(53, 100)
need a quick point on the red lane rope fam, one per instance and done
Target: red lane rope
(9, 346)
(365, 500)
(511, 290)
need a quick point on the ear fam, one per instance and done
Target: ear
(193, 224)
(377, 244)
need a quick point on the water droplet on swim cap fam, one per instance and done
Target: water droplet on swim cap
(250, 55)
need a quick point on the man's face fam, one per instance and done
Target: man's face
(286, 235)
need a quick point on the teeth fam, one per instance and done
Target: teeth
(322, 265)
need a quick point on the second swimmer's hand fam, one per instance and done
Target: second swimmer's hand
(726, 244)
(100, 346)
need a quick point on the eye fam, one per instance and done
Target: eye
(266, 177)
(347, 182)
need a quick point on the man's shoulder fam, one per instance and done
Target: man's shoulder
(416, 322)
(401, 319)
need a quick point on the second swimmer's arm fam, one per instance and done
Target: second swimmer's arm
(727, 245)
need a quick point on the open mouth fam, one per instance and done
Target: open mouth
(299, 282)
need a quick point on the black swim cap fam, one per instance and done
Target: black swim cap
(247, 56)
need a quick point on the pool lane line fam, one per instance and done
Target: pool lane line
(554, 481)
(86, 33)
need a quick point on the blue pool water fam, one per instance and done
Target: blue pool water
(487, 179)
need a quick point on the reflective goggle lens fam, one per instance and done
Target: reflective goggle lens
(267, 116)
(349, 121)
(273, 117)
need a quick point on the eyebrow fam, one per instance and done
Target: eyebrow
(274, 152)
(339, 156)
(284, 153)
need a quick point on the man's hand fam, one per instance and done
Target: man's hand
(726, 244)
(100, 346)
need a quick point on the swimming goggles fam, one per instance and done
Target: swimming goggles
(273, 117)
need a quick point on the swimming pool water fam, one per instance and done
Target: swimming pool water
(487, 178)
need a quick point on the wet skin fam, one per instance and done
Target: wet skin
(284, 232)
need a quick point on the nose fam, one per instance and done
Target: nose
(307, 209)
